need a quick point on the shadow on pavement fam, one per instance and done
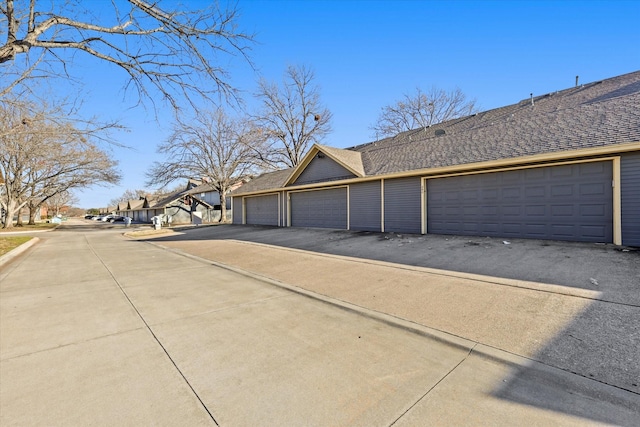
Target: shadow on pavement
(601, 344)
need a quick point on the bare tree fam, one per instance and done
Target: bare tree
(61, 202)
(43, 154)
(212, 146)
(176, 52)
(292, 116)
(422, 109)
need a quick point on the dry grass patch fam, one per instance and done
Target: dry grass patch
(26, 227)
(8, 243)
(148, 233)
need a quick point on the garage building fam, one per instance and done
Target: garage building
(561, 166)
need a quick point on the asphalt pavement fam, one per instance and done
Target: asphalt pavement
(205, 327)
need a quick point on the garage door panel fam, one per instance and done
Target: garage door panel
(561, 173)
(488, 227)
(594, 231)
(592, 210)
(470, 226)
(561, 190)
(592, 189)
(532, 192)
(487, 211)
(566, 230)
(535, 229)
(511, 228)
(512, 211)
(437, 196)
(562, 210)
(262, 210)
(321, 208)
(511, 193)
(592, 168)
(536, 210)
(534, 174)
(568, 202)
(470, 211)
(489, 194)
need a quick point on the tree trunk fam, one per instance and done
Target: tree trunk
(19, 221)
(223, 207)
(11, 211)
(32, 215)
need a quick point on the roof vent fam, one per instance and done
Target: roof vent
(440, 132)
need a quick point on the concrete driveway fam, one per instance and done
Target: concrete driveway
(97, 329)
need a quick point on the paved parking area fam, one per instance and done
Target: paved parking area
(611, 270)
(98, 329)
(587, 331)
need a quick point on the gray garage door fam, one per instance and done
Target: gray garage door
(262, 210)
(321, 208)
(568, 202)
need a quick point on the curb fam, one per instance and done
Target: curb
(393, 321)
(514, 283)
(473, 347)
(9, 256)
(388, 319)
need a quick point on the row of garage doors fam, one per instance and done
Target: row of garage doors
(566, 202)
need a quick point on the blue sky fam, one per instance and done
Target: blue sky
(367, 54)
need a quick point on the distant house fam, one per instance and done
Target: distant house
(196, 203)
(132, 208)
(561, 166)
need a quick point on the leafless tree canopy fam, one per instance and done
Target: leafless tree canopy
(212, 146)
(43, 154)
(292, 116)
(175, 52)
(422, 109)
(63, 200)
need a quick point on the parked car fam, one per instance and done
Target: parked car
(89, 216)
(116, 218)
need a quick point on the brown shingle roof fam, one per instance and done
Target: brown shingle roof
(135, 203)
(595, 114)
(351, 159)
(265, 181)
(591, 115)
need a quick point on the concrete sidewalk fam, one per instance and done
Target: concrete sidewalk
(570, 328)
(96, 329)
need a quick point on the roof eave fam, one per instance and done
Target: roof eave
(542, 158)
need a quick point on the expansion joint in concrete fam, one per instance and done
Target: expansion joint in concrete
(148, 327)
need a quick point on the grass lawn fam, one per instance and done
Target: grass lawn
(25, 227)
(8, 243)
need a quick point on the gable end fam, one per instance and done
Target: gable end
(322, 168)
